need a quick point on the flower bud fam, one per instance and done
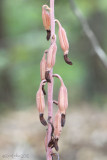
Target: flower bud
(41, 105)
(63, 99)
(42, 70)
(63, 42)
(51, 56)
(43, 67)
(46, 20)
(63, 102)
(63, 38)
(57, 125)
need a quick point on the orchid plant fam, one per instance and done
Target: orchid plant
(54, 124)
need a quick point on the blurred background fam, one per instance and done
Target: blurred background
(22, 44)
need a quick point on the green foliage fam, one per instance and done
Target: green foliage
(25, 38)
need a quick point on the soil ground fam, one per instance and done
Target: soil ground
(84, 136)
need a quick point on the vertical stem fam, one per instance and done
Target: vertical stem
(50, 113)
(52, 18)
(50, 85)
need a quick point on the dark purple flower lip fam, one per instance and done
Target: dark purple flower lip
(67, 60)
(47, 76)
(62, 120)
(48, 35)
(42, 120)
(43, 89)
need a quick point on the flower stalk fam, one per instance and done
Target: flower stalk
(54, 125)
(50, 85)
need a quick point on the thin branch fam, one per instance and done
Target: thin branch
(55, 102)
(89, 33)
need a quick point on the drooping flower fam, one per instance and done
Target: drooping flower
(62, 99)
(63, 42)
(43, 67)
(63, 102)
(57, 129)
(51, 57)
(46, 20)
(41, 104)
(57, 125)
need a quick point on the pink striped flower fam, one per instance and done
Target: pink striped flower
(57, 125)
(63, 102)
(62, 97)
(51, 57)
(41, 104)
(43, 67)
(63, 42)
(46, 20)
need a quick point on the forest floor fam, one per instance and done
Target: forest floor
(84, 136)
